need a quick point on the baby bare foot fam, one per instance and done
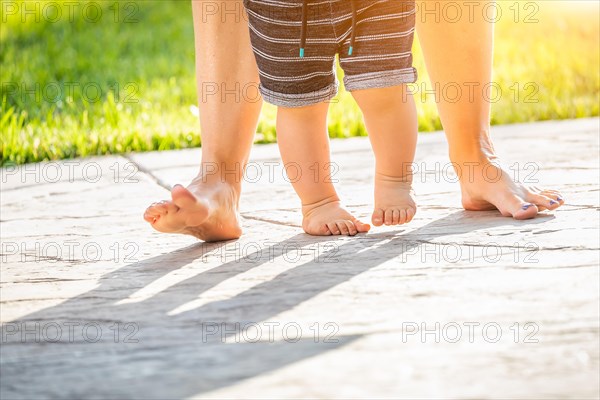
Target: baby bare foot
(394, 203)
(328, 217)
(205, 210)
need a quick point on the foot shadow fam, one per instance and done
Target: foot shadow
(173, 357)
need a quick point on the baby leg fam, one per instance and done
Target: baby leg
(304, 145)
(391, 120)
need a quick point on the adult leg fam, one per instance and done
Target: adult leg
(461, 52)
(208, 207)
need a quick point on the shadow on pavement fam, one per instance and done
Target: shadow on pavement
(174, 355)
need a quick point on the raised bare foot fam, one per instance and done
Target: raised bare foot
(486, 186)
(394, 203)
(328, 217)
(206, 210)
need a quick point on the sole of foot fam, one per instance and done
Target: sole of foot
(207, 212)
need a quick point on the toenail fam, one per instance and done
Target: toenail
(559, 198)
(526, 206)
(552, 202)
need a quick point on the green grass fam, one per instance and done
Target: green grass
(145, 72)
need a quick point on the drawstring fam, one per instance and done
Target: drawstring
(353, 37)
(305, 27)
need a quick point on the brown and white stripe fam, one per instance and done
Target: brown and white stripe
(383, 36)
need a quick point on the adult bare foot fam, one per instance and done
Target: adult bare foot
(394, 203)
(205, 209)
(485, 185)
(328, 217)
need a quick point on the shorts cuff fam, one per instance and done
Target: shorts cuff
(293, 100)
(383, 79)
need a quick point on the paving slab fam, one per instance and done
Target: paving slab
(457, 304)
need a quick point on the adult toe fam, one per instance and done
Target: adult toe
(517, 207)
(543, 202)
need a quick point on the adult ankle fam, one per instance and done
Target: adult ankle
(469, 144)
(228, 173)
(475, 152)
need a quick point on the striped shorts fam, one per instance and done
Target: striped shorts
(295, 43)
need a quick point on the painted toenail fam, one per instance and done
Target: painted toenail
(526, 206)
(552, 202)
(559, 198)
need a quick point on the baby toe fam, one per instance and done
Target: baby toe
(377, 217)
(410, 214)
(403, 216)
(352, 230)
(333, 228)
(324, 231)
(388, 216)
(343, 228)
(395, 216)
(361, 226)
